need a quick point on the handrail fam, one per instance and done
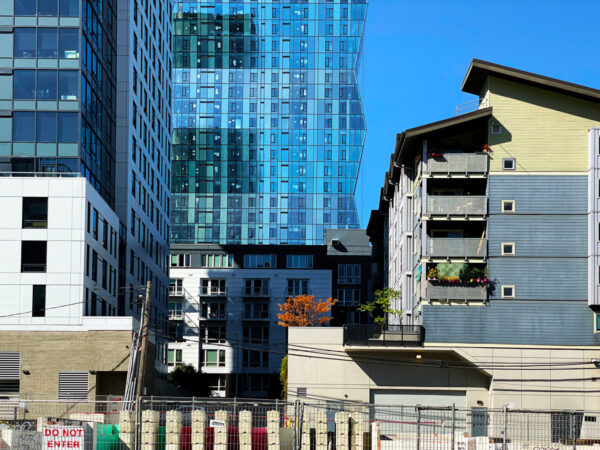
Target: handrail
(42, 174)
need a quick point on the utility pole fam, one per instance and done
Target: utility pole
(145, 323)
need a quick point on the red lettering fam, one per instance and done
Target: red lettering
(80, 432)
(54, 432)
(76, 444)
(50, 444)
(57, 443)
(69, 444)
(65, 432)
(47, 431)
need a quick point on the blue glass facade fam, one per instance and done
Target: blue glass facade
(268, 121)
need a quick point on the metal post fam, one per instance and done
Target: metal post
(573, 434)
(144, 350)
(138, 422)
(505, 413)
(418, 408)
(453, 424)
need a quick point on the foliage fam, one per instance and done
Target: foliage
(432, 273)
(186, 377)
(379, 308)
(304, 311)
(283, 377)
(468, 275)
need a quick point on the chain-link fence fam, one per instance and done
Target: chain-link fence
(228, 424)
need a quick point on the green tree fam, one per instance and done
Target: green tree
(382, 306)
(186, 377)
(283, 377)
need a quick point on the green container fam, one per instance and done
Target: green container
(107, 437)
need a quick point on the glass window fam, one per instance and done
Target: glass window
(68, 43)
(24, 84)
(69, 8)
(33, 256)
(46, 127)
(67, 85)
(48, 7)
(24, 7)
(46, 85)
(23, 126)
(35, 212)
(46, 43)
(38, 307)
(67, 127)
(24, 43)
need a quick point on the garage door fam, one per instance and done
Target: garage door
(395, 411)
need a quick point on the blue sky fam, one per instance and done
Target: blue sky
(416, 53)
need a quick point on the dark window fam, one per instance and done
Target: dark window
(24, 43)
(33, 256)
(69, 8)
(94, 266)
(104, 274)
(38, 307)
(24, 7)
(46, 42)
(24, 84)
(48, 7)
(23, 126)
(67, 127)
(67, 85)
(46, 127)
(68, 43)
(35, 212)
(46, 85)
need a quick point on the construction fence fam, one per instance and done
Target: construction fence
(227, 424)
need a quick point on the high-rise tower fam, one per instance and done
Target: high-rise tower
(268, 120)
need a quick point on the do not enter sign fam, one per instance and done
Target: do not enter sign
(63, 437)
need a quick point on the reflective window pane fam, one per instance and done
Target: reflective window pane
(46, 43)
(48, 7)
(24, 7)
(23, 126)
(46, 85)
(67, 127)
(69, 43)
(67, 85)
(24, 84)
(69, 8)
(24, 46)
(46, 127)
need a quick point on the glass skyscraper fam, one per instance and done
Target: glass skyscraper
(268, 120)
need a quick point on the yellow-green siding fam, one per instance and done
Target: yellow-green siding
(545, 131)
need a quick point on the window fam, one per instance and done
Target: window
(175, 357)
(508, 249)
(508, 206)
(348, 297)
(10, 372)
(69, 8)
(217, 261)
(213, 334)
(25, 7)
(38, 301)
(182, 260)
(23, 131)
(35, 212)
(299, 261)
(175, 310)
(24, 46)
(257, 287)
(349, 273)
(73, 385)
(212, 287)
(46, 85)
(175, 287)
(24, 84)
(68, 86)
(47, 7)
(67, 127)
(256, 334)
(298, 287)
(255, 358)
(68, 43)
(47, 42)
(45, 127)
(596, 323)
(260, 261)
(508, 291)
(496, 129)
(256, 310)
(33, 256)
(213, 310)
(509, 163)
(214, 358)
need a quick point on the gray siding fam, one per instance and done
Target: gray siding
(539, 235)
(512, 322)
(540, 278)
(539, 194)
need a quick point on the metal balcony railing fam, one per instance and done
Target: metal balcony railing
(295, 292)
(373, 335)
(457, 163)
(213, 292)
(457, 247)
(445, 292)
(175, 291)
(175, 315)
(456, 205)
(257, 292)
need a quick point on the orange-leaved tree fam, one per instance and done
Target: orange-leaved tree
(304, 311)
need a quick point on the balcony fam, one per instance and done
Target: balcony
(456, 205)
(213, 292)
(257, 292)
(176, 315)
(175, 291)
(387, 335)
(296, 292)
(457, 248)
(453, 292)
(457, 164)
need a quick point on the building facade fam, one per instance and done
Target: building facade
(488, 226)
(85, 138)
(268, 120)
(225, 302)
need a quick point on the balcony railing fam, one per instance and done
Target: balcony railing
(175, 315)
(458, 163)
(457, 248)
(213, 292)
(175, 291)
(262, 292)
(459, 205)
(385, 335)
(445, 292)
(296, 292)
